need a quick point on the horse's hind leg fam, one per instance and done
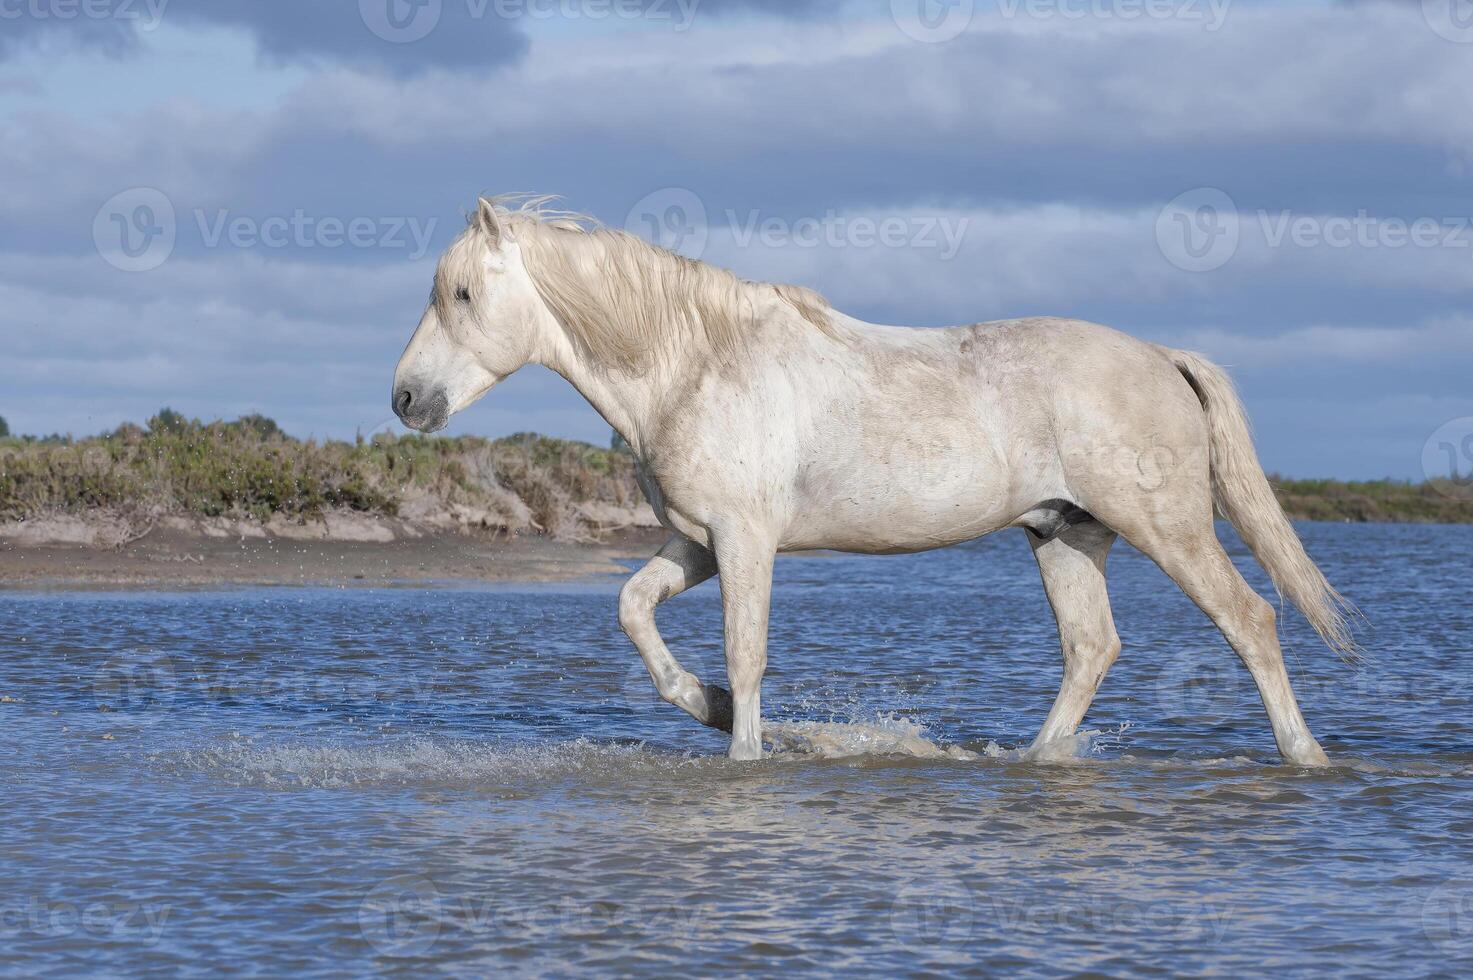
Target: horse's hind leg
(1206, 573)
(1187, 549)
(1073, 568)
(680, 565)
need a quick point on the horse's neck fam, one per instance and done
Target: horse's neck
(634, 403)
(626, 402)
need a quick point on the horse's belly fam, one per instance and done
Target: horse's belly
(909, 503)
(897, 527)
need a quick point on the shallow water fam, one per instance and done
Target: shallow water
(294, 782)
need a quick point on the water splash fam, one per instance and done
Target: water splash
(415, 762)
(893, 735)
(885, 735)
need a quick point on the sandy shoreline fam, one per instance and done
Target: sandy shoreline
(168, 558)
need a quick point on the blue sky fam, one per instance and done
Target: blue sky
(1285, 187)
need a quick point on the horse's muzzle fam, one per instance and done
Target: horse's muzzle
(425, 409)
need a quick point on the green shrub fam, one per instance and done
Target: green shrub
(250, 468)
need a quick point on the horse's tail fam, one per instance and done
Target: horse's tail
(1245, 498)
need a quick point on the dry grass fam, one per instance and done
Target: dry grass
(249, 469)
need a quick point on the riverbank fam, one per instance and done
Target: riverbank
(175, 557)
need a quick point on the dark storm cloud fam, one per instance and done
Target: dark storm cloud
(398, 36)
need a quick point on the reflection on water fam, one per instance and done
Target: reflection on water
(320, 782)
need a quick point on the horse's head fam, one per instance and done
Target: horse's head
(482, 324)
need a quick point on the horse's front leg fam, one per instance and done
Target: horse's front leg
(745, 566)
(680, 565)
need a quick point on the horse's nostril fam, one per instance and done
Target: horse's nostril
(402, 400)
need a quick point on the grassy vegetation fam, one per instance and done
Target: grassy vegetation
(249, 469)
(1437, 502)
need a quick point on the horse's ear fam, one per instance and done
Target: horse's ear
(488, 222)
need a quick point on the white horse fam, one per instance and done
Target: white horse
(765, 421)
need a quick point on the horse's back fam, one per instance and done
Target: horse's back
(957, 432)
(903, 439)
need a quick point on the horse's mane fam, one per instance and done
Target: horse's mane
(625, 301)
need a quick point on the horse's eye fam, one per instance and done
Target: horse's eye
(463, 294)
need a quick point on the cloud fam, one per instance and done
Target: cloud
(401, 37)
(823, 116)
(1411, 347)
(59, 28)
(1054, 143)
(397, 36)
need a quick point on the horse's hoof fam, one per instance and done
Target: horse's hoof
(1066, 749)
(719, 708)
(747, 752)
(1306, 752)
